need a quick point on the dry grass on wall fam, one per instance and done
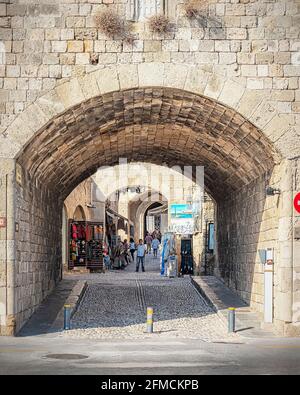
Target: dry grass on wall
(110, 23)
(159, 24)
(192, 8)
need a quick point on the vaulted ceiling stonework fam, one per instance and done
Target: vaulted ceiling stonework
(157, 125)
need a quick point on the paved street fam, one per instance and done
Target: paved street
(115, 304)
(109, 335)
(55, 355)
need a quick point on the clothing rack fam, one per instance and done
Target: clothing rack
(86, 245)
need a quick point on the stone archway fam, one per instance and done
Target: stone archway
(154, 113)
(79, 214)
(139, 206)
(199, 80)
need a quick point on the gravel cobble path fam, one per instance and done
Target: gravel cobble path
(114, 307)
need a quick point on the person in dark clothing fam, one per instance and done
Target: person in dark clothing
(132, 248)
(126, 247)
(141, 253)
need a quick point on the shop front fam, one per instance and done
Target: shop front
(86, 245)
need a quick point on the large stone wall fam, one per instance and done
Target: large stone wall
(38, 260)
(7, 248)
(242, 54)
(241, 231)
(249, 222)
(254, 42)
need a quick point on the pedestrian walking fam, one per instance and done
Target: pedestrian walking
(132, 248)
(155, 246)
(148, 240)
(126, 248)
(159, 236)
(120, 255)
(141, 253)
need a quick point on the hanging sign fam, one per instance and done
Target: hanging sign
(297, 203)
(182, 219)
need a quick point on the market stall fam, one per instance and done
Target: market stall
(86, 245)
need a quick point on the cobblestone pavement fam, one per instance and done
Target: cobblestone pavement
(115, 303)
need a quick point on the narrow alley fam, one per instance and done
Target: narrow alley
(114, 307)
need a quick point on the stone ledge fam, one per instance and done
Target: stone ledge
(220, 298)
(292, 330)
(73, 299)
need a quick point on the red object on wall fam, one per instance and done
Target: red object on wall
(2, 222)
(297, 203)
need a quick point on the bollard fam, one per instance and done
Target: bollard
(67, 317)
(231, 320)
(150, 320)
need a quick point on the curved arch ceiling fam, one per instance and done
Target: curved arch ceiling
(157, 125)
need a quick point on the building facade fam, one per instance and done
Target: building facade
(219, 90)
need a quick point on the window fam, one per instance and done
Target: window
(140, 10)
(148, 8)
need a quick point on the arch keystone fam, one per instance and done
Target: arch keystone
(175, 76)
(151, 74)
(107, 79)
(128, 76)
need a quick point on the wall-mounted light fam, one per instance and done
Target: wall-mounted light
(273, 191)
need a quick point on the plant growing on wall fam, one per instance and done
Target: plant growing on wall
(110, 23)
(192, 8)
(159, 24)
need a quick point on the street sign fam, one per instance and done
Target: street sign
(297, 203)
(2, 222)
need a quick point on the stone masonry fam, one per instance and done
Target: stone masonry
(220, 90)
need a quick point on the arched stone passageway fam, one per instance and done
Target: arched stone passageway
(139, 206)
(160, 125)
(152, 206)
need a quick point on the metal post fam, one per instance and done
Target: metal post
(231, 320)
(150, 319)
(67, 317)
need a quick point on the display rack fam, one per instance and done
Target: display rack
(95, 246)
(86, 245)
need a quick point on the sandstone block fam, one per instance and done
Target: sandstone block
(128, 76)
(75, 46)
(151, 74)
(107, 80)
(70, 93)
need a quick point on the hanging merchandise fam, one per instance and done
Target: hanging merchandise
(74, 232)
(98, 232)
(86, 245)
